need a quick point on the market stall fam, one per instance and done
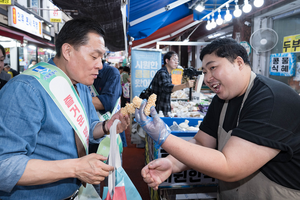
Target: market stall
(184, 122)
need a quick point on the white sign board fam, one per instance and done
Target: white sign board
(24, 21)
(55, 15)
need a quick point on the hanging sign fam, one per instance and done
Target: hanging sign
(291, 43)
(247, 46)
(55, 15)
(283, 64)
(24, 21)
(6, 2)
(144, 65)
(176, 75)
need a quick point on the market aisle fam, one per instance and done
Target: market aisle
(133, 162)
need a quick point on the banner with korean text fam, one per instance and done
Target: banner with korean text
(144, 64)
(291, 44)
(22, 20)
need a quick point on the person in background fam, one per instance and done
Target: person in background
(120, 70)
(125, 82)
(10, 70)
(249, 138)
(41, 155)
(162, 83)
(107, 84)
(4, 76)
(32, 63)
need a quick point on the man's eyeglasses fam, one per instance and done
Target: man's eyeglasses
(173, 59)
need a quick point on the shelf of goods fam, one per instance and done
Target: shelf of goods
(188, 184)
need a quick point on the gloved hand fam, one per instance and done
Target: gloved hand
(154, 126)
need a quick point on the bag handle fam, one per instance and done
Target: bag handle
(114, 157)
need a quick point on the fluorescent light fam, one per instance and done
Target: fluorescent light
(32, 47)
(214, 35)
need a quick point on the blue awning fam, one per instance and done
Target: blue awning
(139, 28)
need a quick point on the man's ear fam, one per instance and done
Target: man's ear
(66, 50)
(240, 62)
(167, 61)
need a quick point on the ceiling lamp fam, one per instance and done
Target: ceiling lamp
(228, 16)
(200, 7)
(213, 23)
(219, 20)
(258, 3)
(247, 7)
(237, 12)
(208, 25)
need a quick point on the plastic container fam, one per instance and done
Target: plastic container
(193, 121)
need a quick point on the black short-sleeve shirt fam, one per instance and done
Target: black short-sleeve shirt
(270, 117)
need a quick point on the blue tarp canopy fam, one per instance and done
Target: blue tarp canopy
(161, 13)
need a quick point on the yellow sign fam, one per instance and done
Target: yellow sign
(55, 20)
(55, 15)
(7, 50)
(5, 2)
(176, 75)
(291, 43)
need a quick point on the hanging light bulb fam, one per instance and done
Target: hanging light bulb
(247, 7)
(208, 25)
(213, 23)
(219, 20)
(258, 3)
(237, 12)
(228, 16)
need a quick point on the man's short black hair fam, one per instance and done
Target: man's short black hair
(126, 69)
(75, 32)
(168, 56)
(226, 48)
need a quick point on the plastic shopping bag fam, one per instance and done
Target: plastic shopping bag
(87, 193)
(120, 186)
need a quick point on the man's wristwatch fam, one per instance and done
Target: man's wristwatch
(106, 132)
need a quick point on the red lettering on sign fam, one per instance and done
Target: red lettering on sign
(80, 120)
(85, 132)
(75, 109)
(55, 12)
(69, 101)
